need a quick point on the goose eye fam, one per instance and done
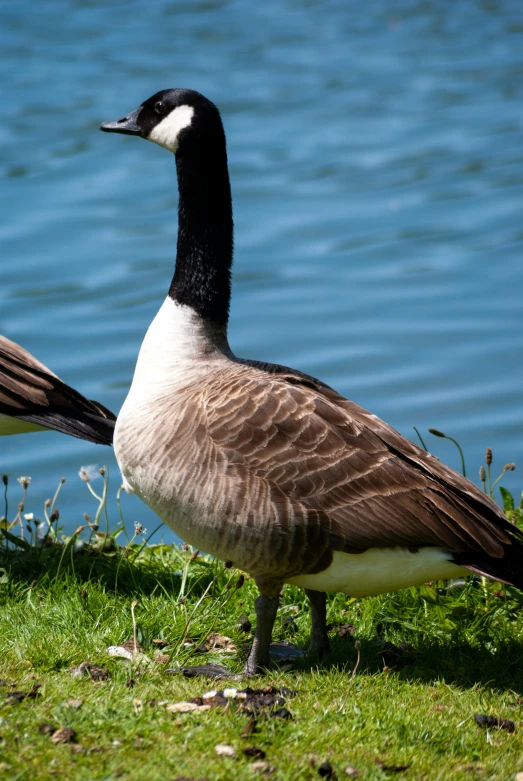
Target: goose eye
(160, 107)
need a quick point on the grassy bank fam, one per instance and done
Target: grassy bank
(396, 698)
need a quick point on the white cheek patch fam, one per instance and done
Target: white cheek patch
(167, 132)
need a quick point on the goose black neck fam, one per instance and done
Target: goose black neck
(202, 277)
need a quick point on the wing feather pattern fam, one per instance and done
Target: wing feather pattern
(316, 473)
(31, 392)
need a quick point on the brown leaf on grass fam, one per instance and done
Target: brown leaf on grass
(269, 700)
(494, 721)
(224, 750)
(17, 697)
(391, 768)
(254, 751)
(159, 643)
(94, 672)
(257, 700)
(162, 658)
(63, 735)
(130, 645)
(215, 641)
(77, 748)
(352, 772)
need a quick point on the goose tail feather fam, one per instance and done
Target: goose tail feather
(508, 569)
(93, 428)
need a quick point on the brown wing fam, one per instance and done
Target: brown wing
(331, 476)
(31, 392)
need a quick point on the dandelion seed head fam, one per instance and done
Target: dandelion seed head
(89, 473)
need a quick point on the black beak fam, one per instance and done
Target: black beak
(127, 125)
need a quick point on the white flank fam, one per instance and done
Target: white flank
(9, 425)
(166, 132)
(380, 570)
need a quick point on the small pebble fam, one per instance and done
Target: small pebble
(63, 735)
(223, 750)
(182, 707)
(262, 767)
(73, 704)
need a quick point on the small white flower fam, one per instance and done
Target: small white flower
(29, 516)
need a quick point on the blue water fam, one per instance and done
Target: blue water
(376, 158)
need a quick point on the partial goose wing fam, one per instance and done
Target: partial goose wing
(30, 392)
(321, 474)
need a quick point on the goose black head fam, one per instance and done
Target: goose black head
(170, 117)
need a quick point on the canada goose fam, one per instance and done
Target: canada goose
(32, 398)
(265, 466)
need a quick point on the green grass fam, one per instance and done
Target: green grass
(430, 659)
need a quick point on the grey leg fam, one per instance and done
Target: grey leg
(266, 609)
(319, 639)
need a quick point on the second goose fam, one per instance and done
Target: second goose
(33, 398)
(265, 466)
